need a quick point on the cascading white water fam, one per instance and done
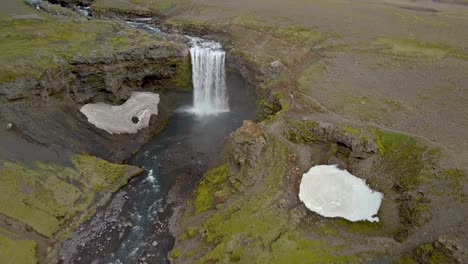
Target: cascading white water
(209, 77)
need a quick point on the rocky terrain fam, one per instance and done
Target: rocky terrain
(377, 87)
(53, 62)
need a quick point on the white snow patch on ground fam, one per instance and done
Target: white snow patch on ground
(118, 119)
(332, 192)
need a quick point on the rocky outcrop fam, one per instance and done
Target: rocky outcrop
(110, 77)
(161, 65)
(359, 144)
(443, 250)
(151, 68)
(67, 62)
(247, 144)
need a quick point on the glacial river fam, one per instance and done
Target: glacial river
(132, 227)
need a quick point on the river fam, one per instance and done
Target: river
(132, 227)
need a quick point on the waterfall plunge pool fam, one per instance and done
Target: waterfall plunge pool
(133, 226)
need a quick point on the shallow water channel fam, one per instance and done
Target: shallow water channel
(132, 227)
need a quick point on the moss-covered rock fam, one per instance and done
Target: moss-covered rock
(212, 182)
(301, 131)
(182, 78)
(48, 197)
(51, 43)
(441, 251)
(60, 55)
(16, 250)
(253, 224)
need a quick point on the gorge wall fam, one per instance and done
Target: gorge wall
(53, 62)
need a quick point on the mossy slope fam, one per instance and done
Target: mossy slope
(243, 219)
(30, 47)
(47, 196)
(51, 200)
(15, 250)
(247, 211)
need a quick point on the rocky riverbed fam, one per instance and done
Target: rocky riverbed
(378, 88)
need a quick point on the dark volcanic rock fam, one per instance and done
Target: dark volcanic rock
(46, 110)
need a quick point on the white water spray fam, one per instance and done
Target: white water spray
(209, 77)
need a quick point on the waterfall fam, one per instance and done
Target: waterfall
(209, 77)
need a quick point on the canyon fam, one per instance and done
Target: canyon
(376, 88)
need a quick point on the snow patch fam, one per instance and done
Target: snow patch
(332, 192)
(129, 117)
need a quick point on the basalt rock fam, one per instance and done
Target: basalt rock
(56, 96)
(359, 144)
(247, 144)
(443, 250)
(152, 68)
(110, 77)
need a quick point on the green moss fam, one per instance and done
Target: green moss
(252, 218)
(327, 230)
(252, 226)
(191, 253)
(163, 5)
(191, 233)
(183, 75)
(417, 49)
(191, 25)
(17, 251)
(430, 253)
(126, 7)
(282, 101)
(294, 248)
(99, 174)
(404, 158)
(175, 254)
(405, 162)
(48, 196)
(33, 197)
(387, 141)
(33, 47)
(351, 130)
(266, 108)
(311, 73)
(268, 85)
(211, 183)
(456, 177)
(118, 41)
(361, 227)
(412, 211)
(300, 132)
(295, 34)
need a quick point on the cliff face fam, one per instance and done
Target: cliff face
(69, 62)
(53, 62)
(110, 76)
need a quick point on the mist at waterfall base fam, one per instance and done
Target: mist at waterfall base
(133, 227)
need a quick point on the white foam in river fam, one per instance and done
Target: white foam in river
(332, 192)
